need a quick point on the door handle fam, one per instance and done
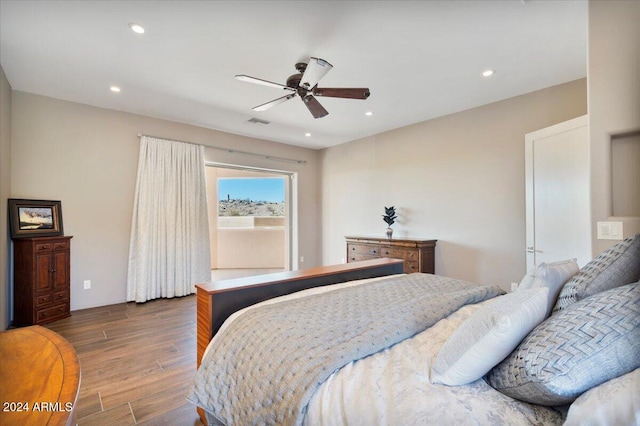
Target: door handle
(532, 250)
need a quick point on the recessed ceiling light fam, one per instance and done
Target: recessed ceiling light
(136, 28)
(308, 134)
(368, 113)
(115, 89)
(487, 73)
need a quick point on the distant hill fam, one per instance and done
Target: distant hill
(234, 207)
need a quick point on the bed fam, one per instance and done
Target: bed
(421, 348)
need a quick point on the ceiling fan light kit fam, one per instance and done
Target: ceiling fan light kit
(305, 85)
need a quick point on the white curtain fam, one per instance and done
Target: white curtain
(169, 248)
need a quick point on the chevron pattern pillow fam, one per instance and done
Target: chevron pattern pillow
(582, 346)
(616, 266)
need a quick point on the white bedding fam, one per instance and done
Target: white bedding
(392, 387)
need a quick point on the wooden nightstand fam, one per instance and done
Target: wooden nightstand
(418, 254)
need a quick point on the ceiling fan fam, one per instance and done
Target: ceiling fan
(305, 85)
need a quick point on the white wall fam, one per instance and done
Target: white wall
(87, 158)
(458, 179)
(614, 100)
(5, 193)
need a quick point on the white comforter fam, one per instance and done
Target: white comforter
(392, 387)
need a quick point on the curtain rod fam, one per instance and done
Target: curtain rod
(234, 151)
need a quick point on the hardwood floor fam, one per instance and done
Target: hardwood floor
(137, 362)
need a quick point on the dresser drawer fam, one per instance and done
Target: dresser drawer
(61, 245)
(411, 267)
(44, 299)
(44, 247)
(360, 257)
(53, 313)
(61, 296)
(405, 254)
(360, 250)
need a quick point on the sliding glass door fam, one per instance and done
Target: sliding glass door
(249, 219)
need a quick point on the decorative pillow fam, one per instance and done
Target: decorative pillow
(613, 403)
(616, 266)
(552, 276)
(584, 345)
(488, 336)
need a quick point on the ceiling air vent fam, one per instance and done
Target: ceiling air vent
(257, 121)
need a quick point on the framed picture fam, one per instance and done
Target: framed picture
(35, 218)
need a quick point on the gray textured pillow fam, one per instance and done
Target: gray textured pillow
(584, 345)
(616, 266)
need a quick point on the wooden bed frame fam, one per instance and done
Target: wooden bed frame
(216, 301)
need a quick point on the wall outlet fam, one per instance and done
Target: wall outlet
(514, 286)
(301, 259)
(87, 284)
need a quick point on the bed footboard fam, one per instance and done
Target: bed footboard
(218, 300)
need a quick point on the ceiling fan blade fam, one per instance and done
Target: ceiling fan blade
(314, 107)
(273, 103)
(250, 79)
(316, 69)
(348, 93)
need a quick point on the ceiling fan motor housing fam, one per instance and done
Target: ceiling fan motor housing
(294, 80)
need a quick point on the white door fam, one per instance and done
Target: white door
(557, 193)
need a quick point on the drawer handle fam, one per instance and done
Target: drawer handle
(44, 247)
(60, 296)
(44, 314)
(61, 309)
(373, 251)
(353, 248)
(45, 299)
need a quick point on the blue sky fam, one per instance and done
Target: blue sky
(255, 189)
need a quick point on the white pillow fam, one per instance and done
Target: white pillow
(552, 276)
(613, 403)
(489, 336)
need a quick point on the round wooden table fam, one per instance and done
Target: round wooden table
(39, 378)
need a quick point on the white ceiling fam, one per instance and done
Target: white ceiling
(420, 59)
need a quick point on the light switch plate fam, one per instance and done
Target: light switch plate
(610, 231)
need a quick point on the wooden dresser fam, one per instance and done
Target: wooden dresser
(418, 254)
(41, 279)
(40, 377)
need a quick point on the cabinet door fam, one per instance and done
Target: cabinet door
(43, 272)
(61, 268)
